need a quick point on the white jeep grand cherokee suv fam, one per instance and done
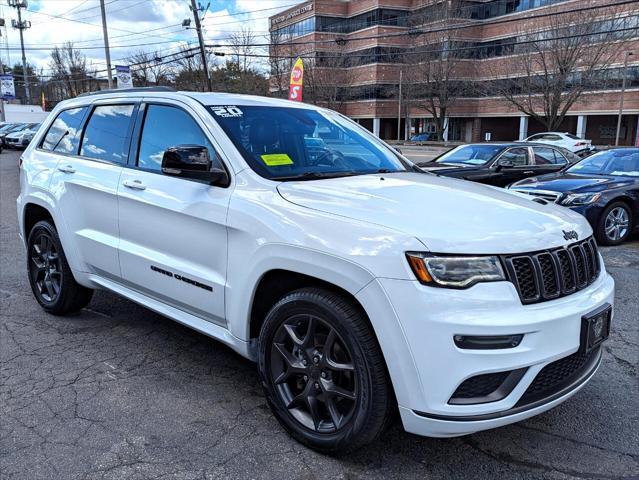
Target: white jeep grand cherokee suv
(360, 285)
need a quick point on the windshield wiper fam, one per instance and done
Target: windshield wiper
(316, 175)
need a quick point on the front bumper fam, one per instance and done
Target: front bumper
(429, 319)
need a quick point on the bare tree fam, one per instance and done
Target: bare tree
(150, 69)
(71, 72)
(190, 71)
(554, 66)
(243, 47)
(326, 75)
(280, 63)
(431, 80)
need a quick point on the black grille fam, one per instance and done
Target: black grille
(554, 273)
(554, 376)
(480, 385)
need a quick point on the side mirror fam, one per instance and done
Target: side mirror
(193, 162)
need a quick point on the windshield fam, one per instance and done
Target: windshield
(622, 162)
(284, 143)
(470, 154)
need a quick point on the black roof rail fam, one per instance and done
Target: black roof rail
(135, 89)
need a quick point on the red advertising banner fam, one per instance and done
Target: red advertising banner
(297, 80)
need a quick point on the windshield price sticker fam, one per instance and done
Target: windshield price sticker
(228, 112)
(276, 159)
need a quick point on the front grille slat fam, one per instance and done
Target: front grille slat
(554, 273)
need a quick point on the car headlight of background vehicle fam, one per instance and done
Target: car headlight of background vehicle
(580, 198)
(455, 271)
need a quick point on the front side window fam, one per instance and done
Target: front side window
(518, 156)
(283, 143)
(63, 135)
(470, 154)
(106, 136)
(166, 127)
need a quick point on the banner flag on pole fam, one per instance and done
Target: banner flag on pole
(297, 80)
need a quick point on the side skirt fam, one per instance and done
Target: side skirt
(217, 332)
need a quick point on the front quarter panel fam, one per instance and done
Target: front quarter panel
(267, 232)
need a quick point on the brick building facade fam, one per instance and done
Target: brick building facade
(364, 44)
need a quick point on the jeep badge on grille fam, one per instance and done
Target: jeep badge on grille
(570, 235)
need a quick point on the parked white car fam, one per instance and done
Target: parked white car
(359, 284)
(21, 138)
(571, 142)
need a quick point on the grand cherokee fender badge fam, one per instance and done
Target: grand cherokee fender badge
(182, 278)
(570, 235)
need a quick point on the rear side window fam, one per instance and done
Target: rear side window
(107, 134)
(166, 127)
(547, 156)
(63, 135)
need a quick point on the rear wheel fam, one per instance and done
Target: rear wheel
(615, 224)
(323, 372)
(50, 277)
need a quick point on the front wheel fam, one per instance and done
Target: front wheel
(323, 372)
(615, 224)
(50, 277)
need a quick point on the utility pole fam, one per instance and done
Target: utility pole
(623, 90)
(22, 25)
(198, 28)
(399, 106)
(107, 53)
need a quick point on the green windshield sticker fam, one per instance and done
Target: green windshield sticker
(276, 159)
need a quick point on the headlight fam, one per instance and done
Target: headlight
(455, 272)
(580, 198)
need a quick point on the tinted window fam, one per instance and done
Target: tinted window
(470, 154)
(285, 143)
(64, 133)
(106, 136)
(574, 137)
(618, 162)
(166, 127)
(518, 156)
(551, 138)
(546, 156)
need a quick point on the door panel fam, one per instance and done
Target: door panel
(173, 238)
(173, 241)
(87, 196)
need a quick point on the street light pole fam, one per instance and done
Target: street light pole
(623, 90)
(106, 44)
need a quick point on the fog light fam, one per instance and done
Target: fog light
(487, 342)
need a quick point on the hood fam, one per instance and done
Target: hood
(445, 214)
(570, 182)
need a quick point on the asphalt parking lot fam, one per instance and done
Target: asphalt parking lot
(119, 392)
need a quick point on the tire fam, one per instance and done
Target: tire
(50, 277)
(347, 381)
(615, 224)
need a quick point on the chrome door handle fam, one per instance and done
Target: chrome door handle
(67, 169)
(529, 172)
(134, 184)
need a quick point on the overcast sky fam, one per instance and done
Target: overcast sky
(133, 25)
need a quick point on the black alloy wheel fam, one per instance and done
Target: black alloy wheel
(50, 276)
(44, 267)
(312, 370)
(323, 372)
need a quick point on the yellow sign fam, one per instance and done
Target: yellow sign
(276, 159)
